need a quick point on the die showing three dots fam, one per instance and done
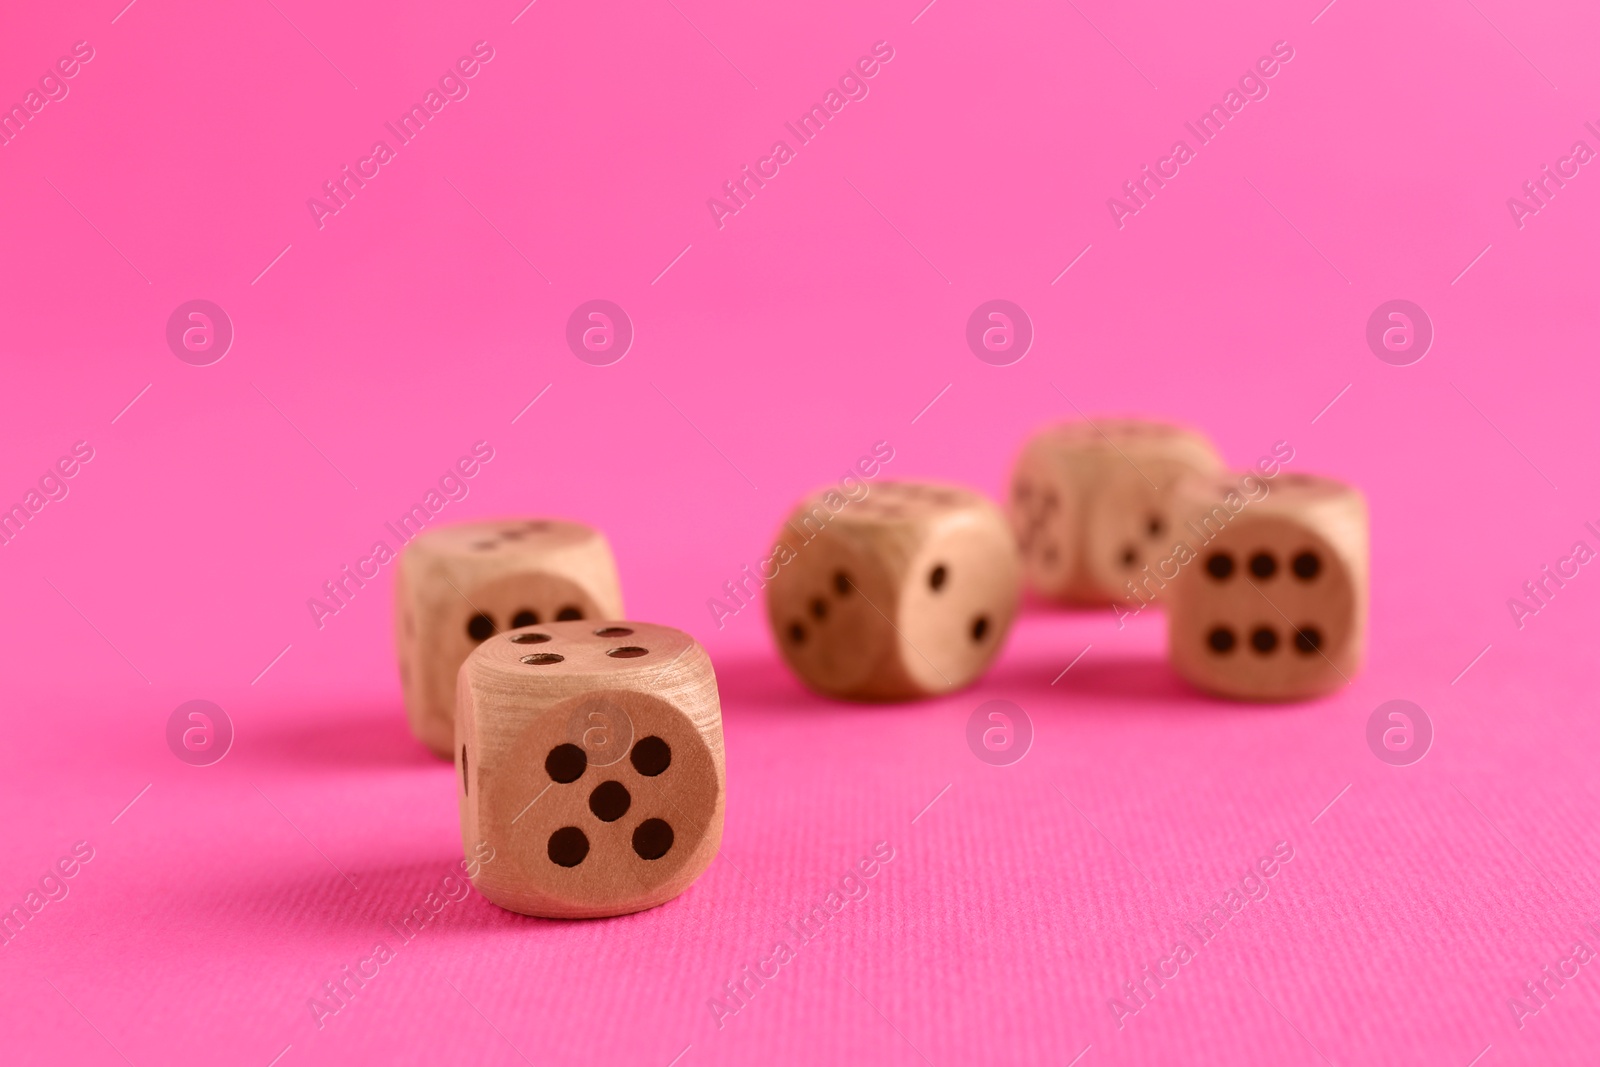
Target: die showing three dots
(906, 591)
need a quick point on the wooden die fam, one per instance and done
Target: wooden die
(457, 585)
(1090, 502)
(1271, 603)
(906, 592)
(590, 758)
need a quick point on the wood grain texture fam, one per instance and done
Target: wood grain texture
(1090, 500)
(907, 592)
(1274, 605)
(449, 576)
(643, 732)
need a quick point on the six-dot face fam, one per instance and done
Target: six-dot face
(522, 599)
(510, 603)
(1269, 609)
(460, 585)
(603, 795)
(1295, 608)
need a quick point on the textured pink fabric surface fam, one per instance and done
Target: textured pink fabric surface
(374, 346)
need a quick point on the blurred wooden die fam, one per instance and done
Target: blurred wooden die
(907, 592)
(1273, 603)
(457, 585)
(1090, 502)
(589, 757)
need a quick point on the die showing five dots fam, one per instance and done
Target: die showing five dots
(590, 758)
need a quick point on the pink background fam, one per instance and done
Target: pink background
(823, 317)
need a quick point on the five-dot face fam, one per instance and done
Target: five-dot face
(1271, 601)
(609, 799)
(602, 796)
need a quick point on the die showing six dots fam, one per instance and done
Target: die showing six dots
(1263, 565)
(460, 585)
(482, 626)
